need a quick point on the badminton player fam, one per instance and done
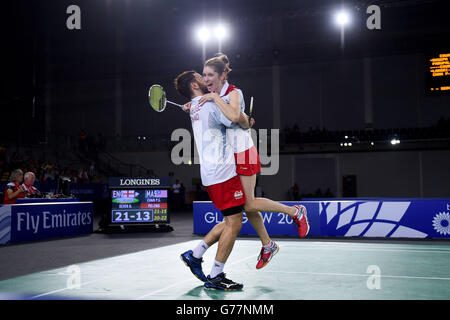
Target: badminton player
(230, 100)
(218, 174)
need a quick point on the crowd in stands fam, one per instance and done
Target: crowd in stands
(321, 135)
(44, 169)
(296, 195)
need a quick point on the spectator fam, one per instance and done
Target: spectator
(29, 179)
(83, 176)
(92, 170)
(176, 188)
(74, 177)
(13, 189)
(49, 175)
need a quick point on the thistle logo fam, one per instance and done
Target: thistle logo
(238, 194)
(441, 223)
(125, 196)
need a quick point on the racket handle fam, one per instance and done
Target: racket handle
(251, 107)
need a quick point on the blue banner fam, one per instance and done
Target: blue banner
(367, 218)
(206, 215)
(29, 222)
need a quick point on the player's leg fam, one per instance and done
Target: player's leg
(269, 247)
(256, 220)
(262, 204)
(232, 227)
(216, 279)
(193, 258)
(297, 213)
(248, 165)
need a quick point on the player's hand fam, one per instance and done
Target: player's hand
(251, 122)
(187, 107)
(208, 97)
(22, 189)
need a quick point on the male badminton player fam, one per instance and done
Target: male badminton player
(218, 174)
(230, 100)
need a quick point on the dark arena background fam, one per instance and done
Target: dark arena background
(351, 102)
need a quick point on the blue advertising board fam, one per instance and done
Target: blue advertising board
(418, 218)
(29, 222)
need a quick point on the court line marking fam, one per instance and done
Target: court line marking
(344, 248)
(349, 242)
(331, 245)
(360, 275)
(105, 278)
(373, 249)
(120, 274)
(184, 281)
(83, 284)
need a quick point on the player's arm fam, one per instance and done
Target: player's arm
(244, 121)
(232, 110)
(220, 117)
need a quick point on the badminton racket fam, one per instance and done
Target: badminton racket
(157, 98)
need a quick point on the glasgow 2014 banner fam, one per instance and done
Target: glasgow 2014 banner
(356, 218)
(29, 222)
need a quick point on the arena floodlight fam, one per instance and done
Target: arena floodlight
(342, 18)
(202, 34)
(220, 32)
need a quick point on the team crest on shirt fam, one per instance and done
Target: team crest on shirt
(238, 194)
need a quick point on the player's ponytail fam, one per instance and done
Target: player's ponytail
(220, 63)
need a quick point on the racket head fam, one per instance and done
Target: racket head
(157, 98)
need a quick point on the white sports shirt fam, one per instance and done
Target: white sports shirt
(239, 138)
(217, 163)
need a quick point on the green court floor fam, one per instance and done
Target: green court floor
(301, 270)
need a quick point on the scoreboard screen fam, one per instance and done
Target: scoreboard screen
(139, 206)
(438, 73)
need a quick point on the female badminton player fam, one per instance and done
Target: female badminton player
(230, 100)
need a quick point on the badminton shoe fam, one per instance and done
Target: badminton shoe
(301, 220)
(219, 282)
(266, 255)
(194, 264)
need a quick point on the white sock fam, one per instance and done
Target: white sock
(269, 245)
(298, 214)
(216, 269)
(200, 249)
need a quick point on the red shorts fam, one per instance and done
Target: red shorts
(247, 162)
(227, 194)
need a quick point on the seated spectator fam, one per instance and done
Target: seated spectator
(13, 189)
(83, 176)
(28, 182)
(49, 175)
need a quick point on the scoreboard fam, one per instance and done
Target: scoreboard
(136, 201)
(438, 73)
(139, 206)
